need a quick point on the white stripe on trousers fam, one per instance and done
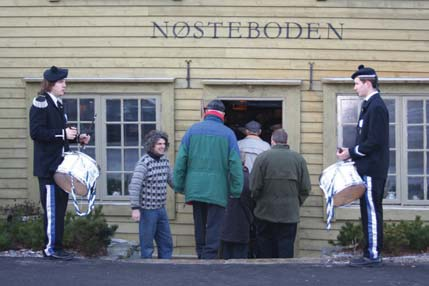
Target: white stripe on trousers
(50, 215)
(372, 220)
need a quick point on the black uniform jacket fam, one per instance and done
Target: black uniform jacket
(371, 153)
(47, 129)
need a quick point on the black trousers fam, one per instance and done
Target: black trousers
(371, 210)
(208, 219)
(275, 240)
(54, 203)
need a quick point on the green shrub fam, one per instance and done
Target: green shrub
(21, 226)
(89, 235)
(394, 238)
(398, 238)
(350, 236)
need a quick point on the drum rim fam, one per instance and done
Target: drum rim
(78, 153)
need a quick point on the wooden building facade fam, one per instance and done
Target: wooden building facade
(144, 64)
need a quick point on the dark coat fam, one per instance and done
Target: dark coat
(47, 129)
(280, 184)
(371, 153)
(238, 215)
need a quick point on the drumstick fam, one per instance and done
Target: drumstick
(90, 129)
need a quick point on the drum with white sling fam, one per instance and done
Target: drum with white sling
(341, 185)
(77, 175)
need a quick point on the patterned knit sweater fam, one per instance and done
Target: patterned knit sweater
(148, 187)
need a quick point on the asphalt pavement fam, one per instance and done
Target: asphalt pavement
(20, 271)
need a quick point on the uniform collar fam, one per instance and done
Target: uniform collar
(367, 98)
(55, 99)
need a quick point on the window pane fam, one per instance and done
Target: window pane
(415, 163)
(349, 112)
(415, 111)
(349, 136)
(113, 110)
(113, 134)
(415, 137)
(114, 184)
(391, 188)
(392, 162)
(145, 129)
(131, 109)
(114, 160)
(88, 128)
(415, 188)
(89, 151)
(392, 136)
(131, 134)
(87, 109)
(390, 104)
(131, 156)
(148, 112)
(128, 177)
(70, 108)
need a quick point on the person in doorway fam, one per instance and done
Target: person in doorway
(371, 157)
(279, 183)
(252, 145)
(238, 219)
(208, 170)
(51, 139)
(148, 196)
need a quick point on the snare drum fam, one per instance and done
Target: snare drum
(78, 172)
(343, 182)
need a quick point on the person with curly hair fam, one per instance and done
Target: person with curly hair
(148, 195)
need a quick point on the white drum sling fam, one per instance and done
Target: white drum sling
(77, 175)
(341, 185)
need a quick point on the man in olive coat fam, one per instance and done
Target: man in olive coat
(279, 183)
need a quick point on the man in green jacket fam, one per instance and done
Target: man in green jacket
(279, 183)
(207, 171)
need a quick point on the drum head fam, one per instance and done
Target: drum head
(64, 181)
(349, 195)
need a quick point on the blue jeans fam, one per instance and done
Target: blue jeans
(208, 219)
(154, 225)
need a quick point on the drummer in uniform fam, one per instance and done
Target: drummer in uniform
(371, 157)
(51, 139)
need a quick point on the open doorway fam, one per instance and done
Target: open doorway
(267, 112)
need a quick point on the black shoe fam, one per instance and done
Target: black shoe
(366, 262)
(60, 255)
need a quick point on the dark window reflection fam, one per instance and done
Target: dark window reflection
(131, 156)
(415, 163)
(131, 109)
(114, 184)
(87, 109)
(349, 136)
(415, 188)
(148, 109)
(70, 108)
(113, 110)
(113, 134)
(131, 134)
(390, 104)
(114, 160)
(415, 111)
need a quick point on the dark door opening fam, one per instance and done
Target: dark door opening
(267, 112)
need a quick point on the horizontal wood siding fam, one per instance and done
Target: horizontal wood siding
(101, 38)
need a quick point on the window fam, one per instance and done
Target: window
(117, 135)
(408, 176)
